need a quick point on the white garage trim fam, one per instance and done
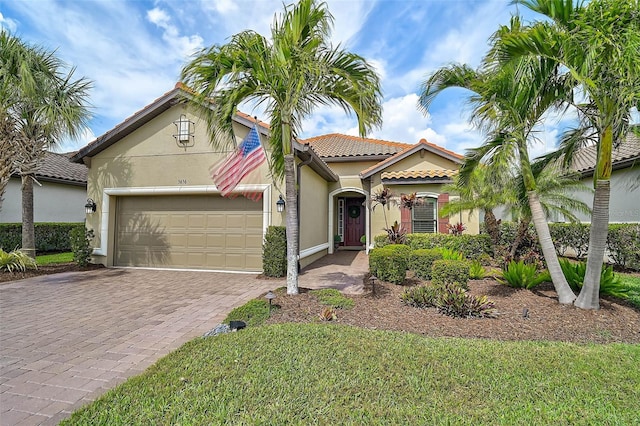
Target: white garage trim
(107, 193)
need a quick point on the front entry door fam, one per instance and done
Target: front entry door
(354, 220)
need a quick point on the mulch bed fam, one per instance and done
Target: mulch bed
(6, 277)
(615, 321)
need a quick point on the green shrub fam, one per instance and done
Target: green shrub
(255, 312)
(449, 272)
(522, 275)
(16, 261)
(476, 270)
(274, 252)
(333, 298)
(377, 262)
(49, 236)
(427, 241)
(380, 240)
(80, 238)
(424, 296)
(610, 284)
(623, 243)
(390, 263)
(570, 236)
(471, 246)
(450, 299)
(421, 261)
(448, 254)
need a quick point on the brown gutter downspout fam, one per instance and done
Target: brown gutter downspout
(298, 180)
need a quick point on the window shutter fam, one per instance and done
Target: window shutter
(443, 222)
(405, 219)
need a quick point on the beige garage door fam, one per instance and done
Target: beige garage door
(189, 231)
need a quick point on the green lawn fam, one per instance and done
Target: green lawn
(332, 374)
(633, 284)
(49, 259)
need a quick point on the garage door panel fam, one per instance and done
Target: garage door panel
(207, 232)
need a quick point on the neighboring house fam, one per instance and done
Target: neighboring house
(158, 207)
(624, 204)
(59, 195)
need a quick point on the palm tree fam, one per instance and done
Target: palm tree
(290, 74)
(41, 104)
(597, 46)
(485, 190)
(509, 102)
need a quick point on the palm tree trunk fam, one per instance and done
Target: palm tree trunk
(517, 241)
(492, 226)
(292, 224)
(565, 295)
(589, 297)
(28, 230)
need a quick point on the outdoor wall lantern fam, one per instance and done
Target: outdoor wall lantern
(185, 136)
(280, 204)
(90, 207)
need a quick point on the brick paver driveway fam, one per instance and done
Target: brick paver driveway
(67, 338)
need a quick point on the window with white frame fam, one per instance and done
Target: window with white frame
(424, 216)
(341, 218)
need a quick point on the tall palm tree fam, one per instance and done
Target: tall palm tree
(509, 103)
(597, 44)
(42, 104)
(290, 74)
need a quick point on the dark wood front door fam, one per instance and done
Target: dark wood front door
(354, 221)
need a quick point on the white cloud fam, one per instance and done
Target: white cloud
(181, 46)
(69, 145)
(8, 23)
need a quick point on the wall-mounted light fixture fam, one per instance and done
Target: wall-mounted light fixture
(185, 136)
(280, 204)
(90, 207)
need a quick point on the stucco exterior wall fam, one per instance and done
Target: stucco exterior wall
(52, 202)
(150, 157)
(314, 219)
(624, 205)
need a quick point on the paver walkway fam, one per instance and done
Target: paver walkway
(67, 338)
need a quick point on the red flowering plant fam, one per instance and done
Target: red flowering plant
(456, 229)
(408, 201)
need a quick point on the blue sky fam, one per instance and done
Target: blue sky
(133, 52)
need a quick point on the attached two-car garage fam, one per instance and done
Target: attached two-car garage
(189, 231)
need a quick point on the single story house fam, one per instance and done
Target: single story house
(59, 195)
(624, 204)
(158, 207)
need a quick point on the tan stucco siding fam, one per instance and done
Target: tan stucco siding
(423, 160)
(350, 168)
(314, 207)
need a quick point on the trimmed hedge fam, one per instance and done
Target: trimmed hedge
(471, 246)
(421, 261)
(50, 236)
(274, 252)
(390, 263)
(623, 243)
(450, 272)
(573, 236)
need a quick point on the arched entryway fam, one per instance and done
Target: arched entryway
(349, 217)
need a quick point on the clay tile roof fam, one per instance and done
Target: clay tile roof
(584, 160)
(423, 144)
(336, 145)
(59, 167)
(419, 174)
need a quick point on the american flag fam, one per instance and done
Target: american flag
(228, 173)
